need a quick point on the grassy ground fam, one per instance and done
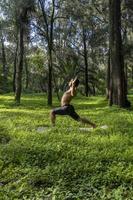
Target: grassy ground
(64, 163)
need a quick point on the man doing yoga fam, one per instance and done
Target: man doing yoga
(66, 108)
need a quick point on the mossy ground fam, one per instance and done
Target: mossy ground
(64, 163)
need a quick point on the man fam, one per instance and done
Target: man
(66, 108)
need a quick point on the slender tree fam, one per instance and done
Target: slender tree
(23, 21)
(4, 63)
(18, 82)
(85, 55)
(48, 21)
(108, 77)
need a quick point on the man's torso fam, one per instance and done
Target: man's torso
(66, 98)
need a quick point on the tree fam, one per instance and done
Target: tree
(4, 63)
(48, 18)
(118, 95)
(3, 56)
(85, 61)
(23, 20)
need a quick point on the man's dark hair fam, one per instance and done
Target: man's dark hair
(76, 82)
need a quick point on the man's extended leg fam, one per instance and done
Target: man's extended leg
(86, 121)
(76, 117)
(52, 117)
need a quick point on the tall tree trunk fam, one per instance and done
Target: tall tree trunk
(19, 64)
(26, 73)
(4, 63)
(56, 88)
(126, 78)
(86, 63)
(132, 76)
(118, 94)
(15, 65)
(50, 66)
(108, 77)
(50, 52)
(93, 90)
(49, 37)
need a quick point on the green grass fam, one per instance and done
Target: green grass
(64, 163)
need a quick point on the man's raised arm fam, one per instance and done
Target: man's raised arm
(73, 89)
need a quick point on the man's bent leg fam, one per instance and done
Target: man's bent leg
(58, 111)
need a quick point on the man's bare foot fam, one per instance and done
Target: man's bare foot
(94, 126)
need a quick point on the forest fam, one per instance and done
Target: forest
(44, 46)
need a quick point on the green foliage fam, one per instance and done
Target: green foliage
(64, 163)
(71, 17)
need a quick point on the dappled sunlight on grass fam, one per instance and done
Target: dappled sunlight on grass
(63, 159)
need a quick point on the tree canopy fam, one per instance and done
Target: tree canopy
(44, 43)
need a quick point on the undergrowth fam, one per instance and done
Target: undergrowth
(65, 163)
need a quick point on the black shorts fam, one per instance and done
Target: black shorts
(66, 110)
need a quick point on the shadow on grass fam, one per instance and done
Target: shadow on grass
(27, 102)
(4, 136)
